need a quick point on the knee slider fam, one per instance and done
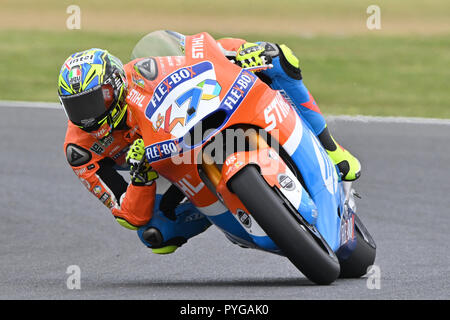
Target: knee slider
(153, 237)
(156, 240)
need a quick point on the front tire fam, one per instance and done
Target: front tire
(362, 257)
(293, 239)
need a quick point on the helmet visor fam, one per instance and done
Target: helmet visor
(86, 109)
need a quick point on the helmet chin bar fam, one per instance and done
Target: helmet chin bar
(104, 130)
(119, 110)
(118, 116)
(110, 122)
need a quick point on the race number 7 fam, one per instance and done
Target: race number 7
(194, 95)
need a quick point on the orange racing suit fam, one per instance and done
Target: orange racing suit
(95, 163)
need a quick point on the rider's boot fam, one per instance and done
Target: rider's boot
(349, 166)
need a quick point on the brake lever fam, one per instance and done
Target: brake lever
(259, 68)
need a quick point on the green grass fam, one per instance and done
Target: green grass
(31, 60)
(386, 76)
(413, 9)
(370, 75)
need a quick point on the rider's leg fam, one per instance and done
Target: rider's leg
(165, 231)
(286, 76)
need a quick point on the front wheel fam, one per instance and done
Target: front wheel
(356, 265)
(278, 222)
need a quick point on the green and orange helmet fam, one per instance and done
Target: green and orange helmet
(92, 88)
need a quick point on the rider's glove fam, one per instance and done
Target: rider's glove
(252, 55)
(141, 172)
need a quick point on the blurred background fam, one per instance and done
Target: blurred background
(390, 62)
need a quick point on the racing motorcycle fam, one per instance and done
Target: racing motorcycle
(242, 155)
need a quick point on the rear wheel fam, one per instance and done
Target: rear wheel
(296, 241)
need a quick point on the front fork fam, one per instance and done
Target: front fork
(273, 169)
(348, 239)
(347, 225)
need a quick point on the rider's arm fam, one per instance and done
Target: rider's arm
(131, 205)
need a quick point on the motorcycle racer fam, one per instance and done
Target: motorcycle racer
(102, 136)
(92, 87)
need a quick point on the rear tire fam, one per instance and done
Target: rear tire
(293, 239)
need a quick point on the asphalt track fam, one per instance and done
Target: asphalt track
(49, 222)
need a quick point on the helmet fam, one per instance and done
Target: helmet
(92, 88)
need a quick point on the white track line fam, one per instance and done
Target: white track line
(28, 104)
(330, 118)
(372, 119)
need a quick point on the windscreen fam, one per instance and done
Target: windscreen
(159, 44)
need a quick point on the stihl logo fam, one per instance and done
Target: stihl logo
(277, 109)
(197, 47)
(136, 98)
